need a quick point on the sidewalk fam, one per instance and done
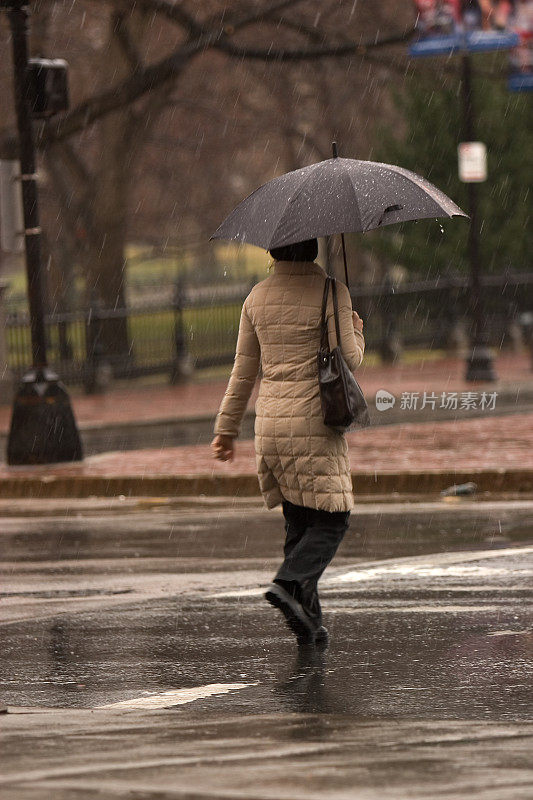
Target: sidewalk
(496, 452)
(136, 405)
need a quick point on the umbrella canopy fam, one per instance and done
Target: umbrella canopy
(339, 195)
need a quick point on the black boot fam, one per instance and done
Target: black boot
(311, 604)
(286, 596)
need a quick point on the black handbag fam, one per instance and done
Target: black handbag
(344, 406)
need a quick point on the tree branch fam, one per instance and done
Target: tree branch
(152, 76)
(126, 42)
(123, 94)
(308, 54)
(233, 24)
(173, 11)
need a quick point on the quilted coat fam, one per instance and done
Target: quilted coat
(298, 457)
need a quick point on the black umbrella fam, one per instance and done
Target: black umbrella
(339, 195)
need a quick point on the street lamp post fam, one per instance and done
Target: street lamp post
(43, 429)
(479, 364)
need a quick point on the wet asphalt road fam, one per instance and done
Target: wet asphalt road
(427, 682)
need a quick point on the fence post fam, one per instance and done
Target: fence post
(390, 347)
(182, 367)
(65, 347)
(6, 381)
(526, 322)
(512, 338)
(97, 373)
(451, 334)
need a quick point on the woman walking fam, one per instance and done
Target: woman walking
(301, 463)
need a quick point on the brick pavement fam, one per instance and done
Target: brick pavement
(414, 456)
(504, 442)
(143, 404)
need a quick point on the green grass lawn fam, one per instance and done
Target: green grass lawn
(209, 331)
(236, 263)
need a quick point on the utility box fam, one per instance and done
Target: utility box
(49, 86)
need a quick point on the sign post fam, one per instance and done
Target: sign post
(473, 165)
(447, 28)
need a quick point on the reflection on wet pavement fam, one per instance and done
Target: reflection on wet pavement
(142, 661)
(454, 660)
(429, 614)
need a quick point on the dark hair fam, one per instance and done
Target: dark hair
(299, 251)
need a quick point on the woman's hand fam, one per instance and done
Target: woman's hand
(223, 448)
(357, 321)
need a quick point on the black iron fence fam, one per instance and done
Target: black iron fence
(435, 314)
(199, 327)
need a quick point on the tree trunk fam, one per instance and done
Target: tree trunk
(104, 255)
(120, 137)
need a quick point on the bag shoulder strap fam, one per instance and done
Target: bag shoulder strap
(324, 343)
(324, 339)
(336, 311)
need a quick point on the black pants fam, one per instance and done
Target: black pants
(313, 537)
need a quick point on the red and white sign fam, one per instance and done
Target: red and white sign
(472, 162)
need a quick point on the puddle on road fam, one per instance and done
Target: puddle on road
(433, 658)
(215, 535)
(461, 663)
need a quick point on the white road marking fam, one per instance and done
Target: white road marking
(437, 565)
(444, 565)
(418, 609)
(177, 697)
(239, 592)
(412, 570)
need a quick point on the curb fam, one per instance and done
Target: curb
(517, 481)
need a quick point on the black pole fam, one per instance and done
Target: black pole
(43, 429)
(479, 365)
(18, 20)
(336, 155)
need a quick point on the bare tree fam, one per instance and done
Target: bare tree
(153, 69)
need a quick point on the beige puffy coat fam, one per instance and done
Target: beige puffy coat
(298, 458)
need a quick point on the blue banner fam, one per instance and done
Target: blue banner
(464, 26)
(467, 42)
(447, 27)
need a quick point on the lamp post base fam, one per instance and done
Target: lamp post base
(43, 429)
(479, 364)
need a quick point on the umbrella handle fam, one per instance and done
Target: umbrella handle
(336, 155)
